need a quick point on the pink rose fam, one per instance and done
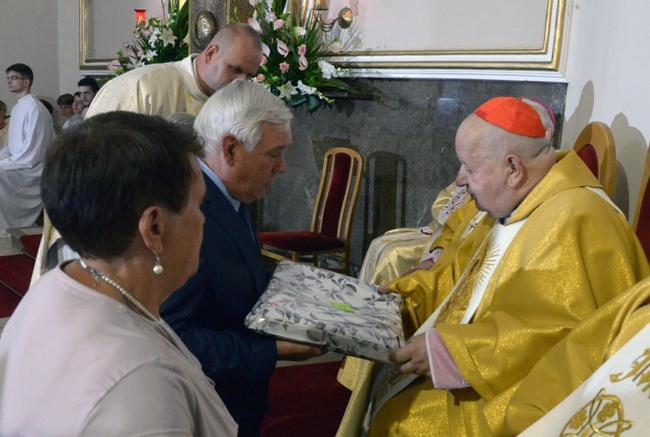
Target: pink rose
(260, 78)
(284, 67)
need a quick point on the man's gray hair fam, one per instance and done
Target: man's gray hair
(239, 109)
(539, 144)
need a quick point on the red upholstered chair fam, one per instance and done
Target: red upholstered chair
(642, 214)
(595, 146)
(331, 222)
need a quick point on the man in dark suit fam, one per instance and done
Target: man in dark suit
(245, 130)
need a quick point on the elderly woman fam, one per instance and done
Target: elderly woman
(86, 352)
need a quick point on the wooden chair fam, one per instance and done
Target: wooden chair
(595, 146)
(642, 214)
(331, 222)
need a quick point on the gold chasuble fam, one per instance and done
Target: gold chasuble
(598, 340)
(154, 89)
(465, 228)
(395, 252)
(574, 253)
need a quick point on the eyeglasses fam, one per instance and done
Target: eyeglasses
(12, 78)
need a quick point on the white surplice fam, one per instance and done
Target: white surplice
(21, 163)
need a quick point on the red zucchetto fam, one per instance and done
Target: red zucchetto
(513, 115)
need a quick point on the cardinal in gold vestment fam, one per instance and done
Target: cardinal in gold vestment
(573, 253)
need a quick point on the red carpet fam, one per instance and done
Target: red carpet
(8, 301)
(306, 400)
(16, 272)
(30, 244)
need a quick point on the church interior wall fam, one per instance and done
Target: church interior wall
(604, 67)
(29, 34)
(607, 75)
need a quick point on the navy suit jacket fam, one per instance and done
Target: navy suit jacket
(208, 312)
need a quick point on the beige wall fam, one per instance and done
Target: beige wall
(608, 71)
(28, 35)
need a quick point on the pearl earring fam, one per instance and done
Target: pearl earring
(158, 268)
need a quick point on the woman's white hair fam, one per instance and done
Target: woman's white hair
(239, 109)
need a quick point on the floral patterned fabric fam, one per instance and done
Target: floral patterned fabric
(311, 305)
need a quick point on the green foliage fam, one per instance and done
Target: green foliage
(293, 67)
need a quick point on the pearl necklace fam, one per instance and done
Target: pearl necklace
(128, 296)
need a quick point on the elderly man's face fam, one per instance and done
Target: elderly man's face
(257, 169)
(485, 176)
(239, 61)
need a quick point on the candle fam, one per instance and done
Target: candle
(141, 15)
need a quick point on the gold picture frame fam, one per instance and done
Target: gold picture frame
(86, 61)
(370, 56)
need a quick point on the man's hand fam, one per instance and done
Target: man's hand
(413, 357)
(291, 351)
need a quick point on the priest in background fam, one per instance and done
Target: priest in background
(21, 162)
(235, 52)
(558, 251)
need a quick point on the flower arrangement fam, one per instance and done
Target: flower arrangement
(293, 67)
(156, 40)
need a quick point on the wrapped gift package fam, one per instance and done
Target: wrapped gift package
(307, 304)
